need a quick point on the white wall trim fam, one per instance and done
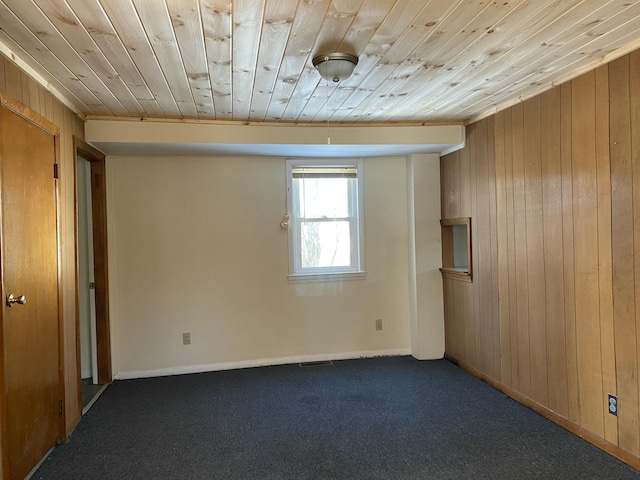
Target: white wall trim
(263, 362)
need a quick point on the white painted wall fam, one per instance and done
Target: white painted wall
(426, 303)
(196, 246)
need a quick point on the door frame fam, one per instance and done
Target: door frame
(96, 161)
(33, 117)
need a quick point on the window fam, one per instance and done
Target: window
(325, 230)
(456, 248)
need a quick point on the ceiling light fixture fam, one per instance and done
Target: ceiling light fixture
(335, 66)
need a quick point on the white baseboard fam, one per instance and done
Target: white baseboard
(263, 362)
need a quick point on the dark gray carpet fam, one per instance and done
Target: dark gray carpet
(384, 418)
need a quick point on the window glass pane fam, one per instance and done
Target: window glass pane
(323, 197)
(325, 244)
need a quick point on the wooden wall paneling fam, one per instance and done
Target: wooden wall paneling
(454, 185)
(566, 153)
(607, 343)
(465, 183)
(482, 276)
(551, 172)
(502, 238)
(48, 105)
(13, 80)
(520, 225)
(472, 325)
(511, 247)
(634, 93)
(2, 80)
(34, 94)
(24, 78)
(535, 250)
(480, 253)
(445, 187)
(623, 255)
(585, 222)
(449, 318)
(493, 223)
(459, 314)
(70, 280)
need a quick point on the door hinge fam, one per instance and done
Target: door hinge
(60, 407)
(55, 170)
(92, 286)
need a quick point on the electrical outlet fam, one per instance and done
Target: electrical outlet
(186, 338)
(613, 405)
(378, 324)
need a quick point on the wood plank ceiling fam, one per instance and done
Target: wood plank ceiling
(250, 60)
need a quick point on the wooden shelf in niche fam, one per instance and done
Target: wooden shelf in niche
(456, 249)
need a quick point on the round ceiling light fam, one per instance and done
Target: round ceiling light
(335, 66)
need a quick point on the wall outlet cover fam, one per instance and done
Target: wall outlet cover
(613, 404)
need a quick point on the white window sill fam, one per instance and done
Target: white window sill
(326, 277)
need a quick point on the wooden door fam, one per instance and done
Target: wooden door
(31, 342)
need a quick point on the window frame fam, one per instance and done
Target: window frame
(356, 269)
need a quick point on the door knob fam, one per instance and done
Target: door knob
(11, 299)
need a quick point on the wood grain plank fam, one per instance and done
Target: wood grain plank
(187, 27)
(3, 83)
(475, 23)
(493, 225)
(278, 21)
(459, 314)
(535, 250)
(97, 25)
(520, 239)
(310, 89)
(566, 152)
(407, 55)
(216, 21)
(15, 33)
(517, 23)
(531, 26)
(126, 23)
(160, 35)
(625, 170)
(503, 249)
(465, 183)
(511, 248)
(294, 67)
(623, 253)
(454, 186)
(588, 24)
(248, 16)
(13, 80)
(445, 187)
(605, 271)
(472, 309)
(30, 15)
(617, 22)
(392, 42)
(34, 94)
(70, 27)
(551, 174)
(24, 79)
(482, 252)
(449, 318)
(585, 215)
(356, 39)
(634, 104)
